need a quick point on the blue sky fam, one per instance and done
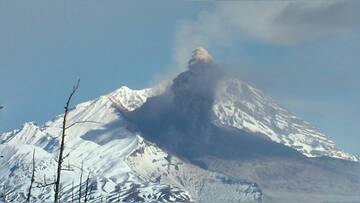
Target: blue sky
(304, 56)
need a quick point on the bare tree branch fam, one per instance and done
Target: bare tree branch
(72, 192)
(87, 193)
(80, 184)
(32, 178)
(66, 156)
(44, 183)
(62, 144)
(81, 122)
(118, 198)
(67, 169)
(6, 191)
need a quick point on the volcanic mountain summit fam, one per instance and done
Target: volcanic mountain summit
(206, 137)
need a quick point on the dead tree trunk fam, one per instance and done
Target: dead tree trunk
(6, 193)
(80, 184)
(62, 144)
(72, 192)
(118, 198)
(87, 187)
(4, 197)
(61, 191)
(32, 178)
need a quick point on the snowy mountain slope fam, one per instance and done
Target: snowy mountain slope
(187, 125)
(101, 140)
(310, 180)
(240, 105)
(156, 165)
(124, 165)
(237, 104)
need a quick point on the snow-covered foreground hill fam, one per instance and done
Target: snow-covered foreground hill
(124, 163)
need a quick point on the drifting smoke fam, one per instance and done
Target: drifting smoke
(280, 22)
(194, 89)
(182, 116)
(181, 119)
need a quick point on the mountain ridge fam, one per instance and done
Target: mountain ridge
(202, 138)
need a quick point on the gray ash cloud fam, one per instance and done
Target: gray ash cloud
(182, 115)
(180, 120)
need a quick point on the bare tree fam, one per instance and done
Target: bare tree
(6, 192)
(72, 191)
(61, 157)
(118, 198)
(44, 183)
(32, 178)
(87, 189)
(80, 184)
(4, 196)
(62, 144)
(61, 191)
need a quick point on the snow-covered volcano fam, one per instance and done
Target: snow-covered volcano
(123, 140)
(203, 92)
